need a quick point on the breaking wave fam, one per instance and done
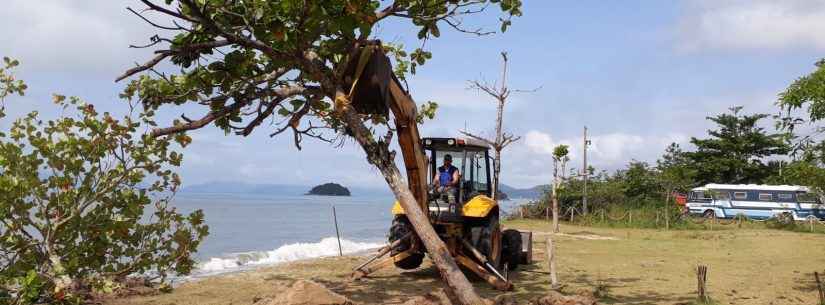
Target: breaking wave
(286, 253)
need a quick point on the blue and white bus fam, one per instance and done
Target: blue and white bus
(754, 201)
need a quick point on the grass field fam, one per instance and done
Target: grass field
(633, 266)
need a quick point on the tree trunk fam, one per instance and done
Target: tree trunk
(379, 155)
(496, 171)
(499, 141)
(555, 207)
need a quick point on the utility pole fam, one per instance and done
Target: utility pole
(585, 172)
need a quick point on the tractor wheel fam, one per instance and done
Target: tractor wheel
(400, 227)
(486, 238)
(511, 248)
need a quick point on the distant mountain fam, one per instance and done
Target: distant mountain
(235, 187)
(528, 193)
(329, 189)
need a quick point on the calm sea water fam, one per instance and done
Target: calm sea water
(253, 230)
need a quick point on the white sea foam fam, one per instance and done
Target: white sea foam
(286, 253)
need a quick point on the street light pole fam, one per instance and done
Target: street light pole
(585, 172)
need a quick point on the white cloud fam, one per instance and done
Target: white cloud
(755, 24)
(67, 36)
(529, 161)
(541, 143)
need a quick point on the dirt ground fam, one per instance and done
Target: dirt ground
(632, 266)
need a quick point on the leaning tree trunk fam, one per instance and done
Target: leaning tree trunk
(378, 154)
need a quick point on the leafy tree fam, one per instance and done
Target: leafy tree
(84, 202)
(246, 63)
(560, 159)
(639, 181)
(736, 151)
(808, 93)
(676, 171)
(8, 84)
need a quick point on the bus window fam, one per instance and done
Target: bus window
(722, 195)
(765, 197)
(740, 195)
(785, 196)
(806, 198)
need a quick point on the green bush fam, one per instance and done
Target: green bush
(84, 203)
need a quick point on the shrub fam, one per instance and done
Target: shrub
(84, 203)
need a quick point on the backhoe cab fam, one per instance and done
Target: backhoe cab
(467, 219)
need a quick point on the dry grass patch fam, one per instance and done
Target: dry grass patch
(633, 266)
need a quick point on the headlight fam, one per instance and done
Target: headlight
(428, 142)
(450, 142)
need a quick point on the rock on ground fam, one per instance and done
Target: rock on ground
(306, 293)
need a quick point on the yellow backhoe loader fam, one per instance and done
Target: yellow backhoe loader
(464, 215)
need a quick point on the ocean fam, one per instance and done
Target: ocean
(251, 230)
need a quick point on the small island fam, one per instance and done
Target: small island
(329, 189)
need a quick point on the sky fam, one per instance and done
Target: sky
(639, 74)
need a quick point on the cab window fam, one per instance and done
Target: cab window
(478, 172)
(807, 198)
(438, 161)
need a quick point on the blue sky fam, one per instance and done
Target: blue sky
(639, 74)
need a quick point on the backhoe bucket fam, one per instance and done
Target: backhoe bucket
(368, 76)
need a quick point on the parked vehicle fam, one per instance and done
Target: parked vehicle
(754, 201)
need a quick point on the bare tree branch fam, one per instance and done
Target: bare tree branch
(140, 68)
(196, 124)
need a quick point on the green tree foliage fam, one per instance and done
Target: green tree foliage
(84, 202)
(560, 153)
(736, 152)
(676, 171)
(808, 92)
(247, 62)
(8, 84)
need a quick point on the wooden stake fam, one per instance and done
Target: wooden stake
(657, 219)
(819, 288)
(811, 221)
(337, 234)
(551, 263)
(701, 282)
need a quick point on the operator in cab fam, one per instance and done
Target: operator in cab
(447, 178)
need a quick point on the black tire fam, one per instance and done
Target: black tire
(511, 248)
(400, 227)
(709, 214)
(484, 234)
